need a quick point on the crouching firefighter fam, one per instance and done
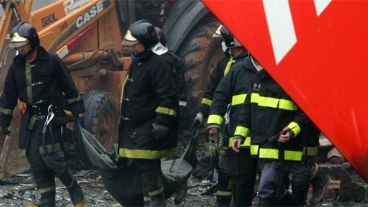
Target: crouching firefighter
(275, 124)
(148, 121)
(41, 81)
(232, 91)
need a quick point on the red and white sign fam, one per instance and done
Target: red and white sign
(316, 50)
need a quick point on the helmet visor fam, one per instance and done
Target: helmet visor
(129, 39)
(17, 41)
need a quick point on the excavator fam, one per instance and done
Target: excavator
(87, 35)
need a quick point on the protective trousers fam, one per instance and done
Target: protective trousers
(273, 190)
(244, 169)
(152, 181)
(225, 182)
(44, 169)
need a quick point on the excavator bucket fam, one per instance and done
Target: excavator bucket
(316, 50)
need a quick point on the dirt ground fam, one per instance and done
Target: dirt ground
(20, 190)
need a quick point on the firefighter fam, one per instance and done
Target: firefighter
(41, 81)
(148, 122)
(240, 166)
(222, 68)
(204, 169)
(275, 124)
(205, 166)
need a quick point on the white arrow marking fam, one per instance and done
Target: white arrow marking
(321, 5)
(281, 27)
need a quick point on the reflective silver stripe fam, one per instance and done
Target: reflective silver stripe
(45, 190)
(6, 111)
(29, 82)
(224, 193)
(183, 103)
(156, 192)
(73, 100)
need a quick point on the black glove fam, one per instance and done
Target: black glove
(160, 131)
(5, 130)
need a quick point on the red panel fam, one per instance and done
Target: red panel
(325, 72)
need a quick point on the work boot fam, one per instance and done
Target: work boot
(74, 189)
(152, 183)
(158, 200)
(181, 193)
(223, 200)
(320, 182)
(266, 202)
(45, 182)
(224, 190)
(288, 200)
(47, 198)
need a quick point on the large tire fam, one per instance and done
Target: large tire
(200, 53)
(101, 118)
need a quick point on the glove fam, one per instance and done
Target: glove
(238, 140)
(160, 131)
(214, 144)
(198, 119)
(5, 131)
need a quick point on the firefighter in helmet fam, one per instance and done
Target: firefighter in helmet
(277, 128)
(227, 99)
(41, 81)
(148, 121)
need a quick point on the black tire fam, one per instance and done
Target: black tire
(101, 118)
(200, 53)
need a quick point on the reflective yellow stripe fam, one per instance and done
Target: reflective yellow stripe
(293, 155)
(28, 72)
(122, 89)
(206, 101)
(310, 151)
(273, 102)
(289, 155)
(45, 190)
(254, 149)
(215, 119)
(238, 99)
(245, 144)
(228, 66)
(146, 154)
(20, 153)
(73, 100)
(32, 122)
(5, 111)
(241, 131)
(295, 128)
(268, 153)
(287, 105)
(167, 111)
(56, 147)
(224, 193)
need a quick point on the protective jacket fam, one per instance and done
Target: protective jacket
(267, 110)
(44, 85)
(222, 68)
(149, 96)
(232, 90)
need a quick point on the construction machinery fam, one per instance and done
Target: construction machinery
(87, 35)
